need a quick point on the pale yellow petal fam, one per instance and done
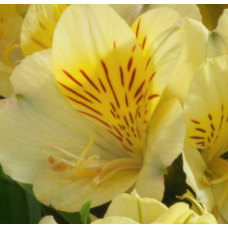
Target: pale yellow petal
(162, 149)
(48, 220)
(206, 107)
(185, 10)
(203, 219)
(114, 220)
(10, 22)
(194, 175)
(5, 85)
(100, 70)
(141, 210)
(190, 60)
(129, 12)
(38, 27)
(162, 42)
(65, 191)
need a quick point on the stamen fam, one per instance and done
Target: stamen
(62, 150)
(8, 49)
(51, 160)
(59, 166)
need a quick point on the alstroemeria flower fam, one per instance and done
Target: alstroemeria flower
(131, 209)
(200, 45)
(115, 85)
(10, 27)
(205, 112)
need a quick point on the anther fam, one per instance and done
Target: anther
(59, 166)
(51, 160)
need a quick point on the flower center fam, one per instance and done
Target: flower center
(92, 167)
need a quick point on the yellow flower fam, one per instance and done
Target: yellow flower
(131, 209)
(205, 112)
(200, 45)
(115, 85)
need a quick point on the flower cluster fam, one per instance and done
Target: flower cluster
(120, 103)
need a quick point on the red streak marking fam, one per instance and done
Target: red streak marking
(113, 107)
(128, 134)
(72, 78)
(109, 82)
(114, 44)
(203, 143)
(148, 62)
(86, 106)
(139, 114)
(221, 122)
(139, 89)
(129, 64)
(212, 135)
(135, 135)
(227, 119)
(121, 127)
(136, 112)
(113, 114)
(210, 117)
(222, 107)
(137, 30)
(200, 129)
(145, 121)
(146, 112)
(196, 137)
(152, 76)
(145, 93)
(132, 79)
(212, 126)
(140, 98)
(138, 133)
(121, 76)
(94, 118)
(208, 139)
(126, 148)
(118, 116)
(91, 95)
(102, 85)
(117, 131)
(145, 106)
(131, 117)
(133, 49)
(153, 96)
(89, 80)
(126, 100)
(126, 121)
(74, 92)
(129, 141)
(132, 129)
(196, 122)
(120, 139)
(144, 42)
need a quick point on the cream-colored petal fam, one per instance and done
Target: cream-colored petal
(115, 220)
(100, 70)
(65, 191)
(203, 219)
(5, 85)
(190, 60)
(10, 22)
(178, 213)
(162, 41)
(48, 220)
(38, 117)
(206, 107)
(162, 149)
(185, 10)
(141, 210)
(38, 27)
(197, 167)
(129, 12)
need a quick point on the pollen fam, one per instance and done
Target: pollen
(51, 160)
(59, 166)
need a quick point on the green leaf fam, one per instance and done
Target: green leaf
(26, 187)
(34, 206)
(84, 212)
(72, 218)
(13, 203)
